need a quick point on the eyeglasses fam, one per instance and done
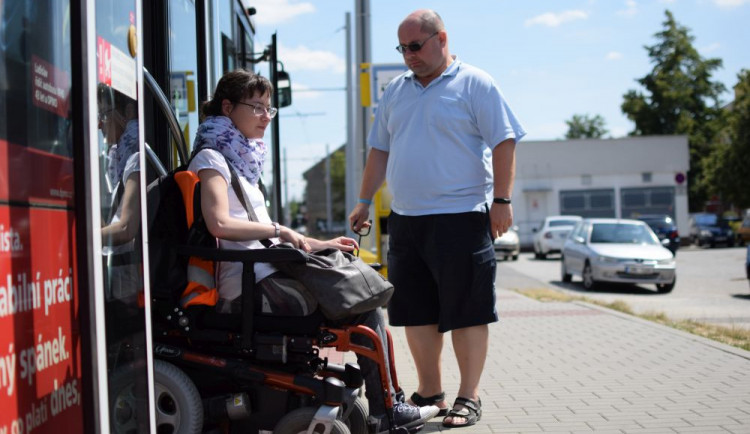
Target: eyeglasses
(414, 46)
(260, 110)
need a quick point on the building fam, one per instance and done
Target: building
(622, 178)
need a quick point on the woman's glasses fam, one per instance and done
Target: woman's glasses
(414, 46)
(260, 110)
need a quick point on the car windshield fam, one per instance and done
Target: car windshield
(706, 219)
(554, 223)
(621, 233)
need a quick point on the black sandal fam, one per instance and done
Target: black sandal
(421, 401)
(472, 412)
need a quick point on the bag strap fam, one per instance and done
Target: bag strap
(235, 181)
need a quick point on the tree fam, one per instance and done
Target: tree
(680, 98)
(727, 168)
(586, 127)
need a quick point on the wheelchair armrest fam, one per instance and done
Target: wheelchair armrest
(251, 255)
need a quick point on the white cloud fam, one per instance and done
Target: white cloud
(272, 12)
(302, 58)
(711, 48)
(614, 55)
(631, 8)
(728, 4)
(551, 19)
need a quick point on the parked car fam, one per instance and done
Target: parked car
(508, 245)
(551, 236)
(743, 232)
(664, 228)
(617, 250)
(710, 229)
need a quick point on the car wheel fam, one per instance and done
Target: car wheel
(542, 255)
(515, 257)
(588, 277)
(665, 288)
(566, 277)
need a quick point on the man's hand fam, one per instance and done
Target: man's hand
(358, 217)
(501, 218)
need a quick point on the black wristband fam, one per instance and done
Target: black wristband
(502, 200)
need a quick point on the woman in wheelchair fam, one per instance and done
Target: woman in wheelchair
(234, 122)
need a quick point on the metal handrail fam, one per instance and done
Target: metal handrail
(166, 108)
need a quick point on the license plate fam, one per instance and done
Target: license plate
(638, 269)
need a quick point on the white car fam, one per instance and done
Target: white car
(508, 245)
(551, 236)
(617, 250)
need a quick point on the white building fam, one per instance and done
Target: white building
(601, 178)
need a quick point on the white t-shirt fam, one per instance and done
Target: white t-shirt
(229, 274)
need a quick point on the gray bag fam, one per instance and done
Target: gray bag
(342, 283)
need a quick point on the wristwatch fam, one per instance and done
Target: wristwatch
(276, 230)
(501, 200)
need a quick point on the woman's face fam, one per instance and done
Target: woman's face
(243, 115)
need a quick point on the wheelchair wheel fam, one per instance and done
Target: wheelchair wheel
(298, 421)
(178, 405)
(357, 420)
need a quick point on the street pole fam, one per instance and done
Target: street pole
(275, 143)
(363, 59)
(352, 154)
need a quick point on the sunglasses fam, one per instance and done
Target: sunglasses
(414, 46)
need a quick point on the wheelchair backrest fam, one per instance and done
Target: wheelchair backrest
(173, 209)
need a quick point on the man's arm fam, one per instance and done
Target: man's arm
(372, 179)
(503, 175)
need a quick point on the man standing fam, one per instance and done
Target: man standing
(444, 139)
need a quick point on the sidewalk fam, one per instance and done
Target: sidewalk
(576, 367)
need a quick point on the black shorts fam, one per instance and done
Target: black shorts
(443, 269)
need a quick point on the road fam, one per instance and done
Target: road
(711, 286)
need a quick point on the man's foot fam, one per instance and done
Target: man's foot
(409, 416)
(465, 412)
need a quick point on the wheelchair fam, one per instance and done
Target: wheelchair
(248, 372)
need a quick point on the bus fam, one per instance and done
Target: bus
(90, 89)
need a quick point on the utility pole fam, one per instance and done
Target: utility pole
(363, 113)
(352, 152)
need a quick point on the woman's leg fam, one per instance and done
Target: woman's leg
(373, 390)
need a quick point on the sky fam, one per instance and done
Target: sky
(551, 59)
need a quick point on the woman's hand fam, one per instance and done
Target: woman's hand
(295, 238)
(345, 244)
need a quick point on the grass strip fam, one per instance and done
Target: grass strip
(734, 336)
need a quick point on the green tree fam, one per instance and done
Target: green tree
(680, 98)
(586, 127)
(338, 184)
(727, 169)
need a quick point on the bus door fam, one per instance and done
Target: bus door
(73, 331)
(117, 186)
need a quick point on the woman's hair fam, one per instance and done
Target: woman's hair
(234, 86)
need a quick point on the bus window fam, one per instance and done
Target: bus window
(183, 67)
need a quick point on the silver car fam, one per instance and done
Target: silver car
(616, 250)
